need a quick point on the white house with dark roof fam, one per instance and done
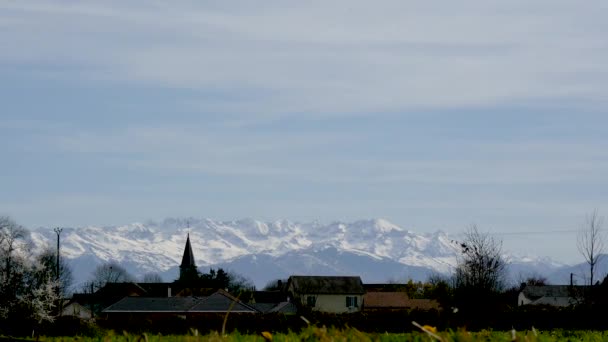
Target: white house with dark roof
(554, 295)
(327, 293)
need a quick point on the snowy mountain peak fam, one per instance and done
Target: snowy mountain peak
(376, 249)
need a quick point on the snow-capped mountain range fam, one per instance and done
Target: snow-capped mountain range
(376, 249)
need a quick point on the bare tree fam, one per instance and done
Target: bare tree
(482, 267)
(530, 279)
(590, 241)
(110, 272)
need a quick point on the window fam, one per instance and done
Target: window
(311, 301)
(351, 301)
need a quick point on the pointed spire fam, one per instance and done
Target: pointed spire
(188, 258)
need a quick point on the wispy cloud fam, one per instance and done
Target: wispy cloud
(327, 59)
(434, 115)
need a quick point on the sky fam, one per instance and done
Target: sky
(432, 115)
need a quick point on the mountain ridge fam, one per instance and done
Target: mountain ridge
(253, 248)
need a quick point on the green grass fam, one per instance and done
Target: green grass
(323, 334)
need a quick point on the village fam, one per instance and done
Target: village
(187, 300)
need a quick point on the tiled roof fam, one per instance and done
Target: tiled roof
(396, 300)
(385, 300)
(423, 304)
(327, 285)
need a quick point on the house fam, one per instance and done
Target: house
(73, 308)
(327, 293)
(554, 295)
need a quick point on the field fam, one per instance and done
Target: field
(323, 334)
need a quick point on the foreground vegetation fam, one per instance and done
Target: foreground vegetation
(324, 334)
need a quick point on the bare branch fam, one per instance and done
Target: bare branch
(590, 241)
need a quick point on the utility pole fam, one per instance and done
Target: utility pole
(58, 231)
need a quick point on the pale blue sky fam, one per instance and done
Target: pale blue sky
(431, 115)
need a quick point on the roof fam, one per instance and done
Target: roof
(554, 301)
(263, 307)
(423, 304)
(396, 300)
(535, 292)
(188, 257)
(383, 287)
(555, 295)
(326, 285)
(284, 308)
(386, 300)
(221, 301)
(120, 290)
(159, 289)
(151, 304)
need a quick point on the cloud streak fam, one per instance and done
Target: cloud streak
(329, 59)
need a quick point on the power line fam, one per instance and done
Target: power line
(564, 231)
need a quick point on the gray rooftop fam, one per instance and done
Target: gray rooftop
(152, 304)
(221, 301)
(326, 285)
(535, 292)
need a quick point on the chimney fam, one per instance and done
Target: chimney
(169, 291)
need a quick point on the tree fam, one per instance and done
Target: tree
(221, 279)
(49, 262)
(11, 236)
(480, 273)
(239, 283)
(109, 272)
(534, 280)
(42, 294)
(13, 267)
(590, 241)
(28, 288)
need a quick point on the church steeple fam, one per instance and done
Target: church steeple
(188, 258)
(188, 267)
